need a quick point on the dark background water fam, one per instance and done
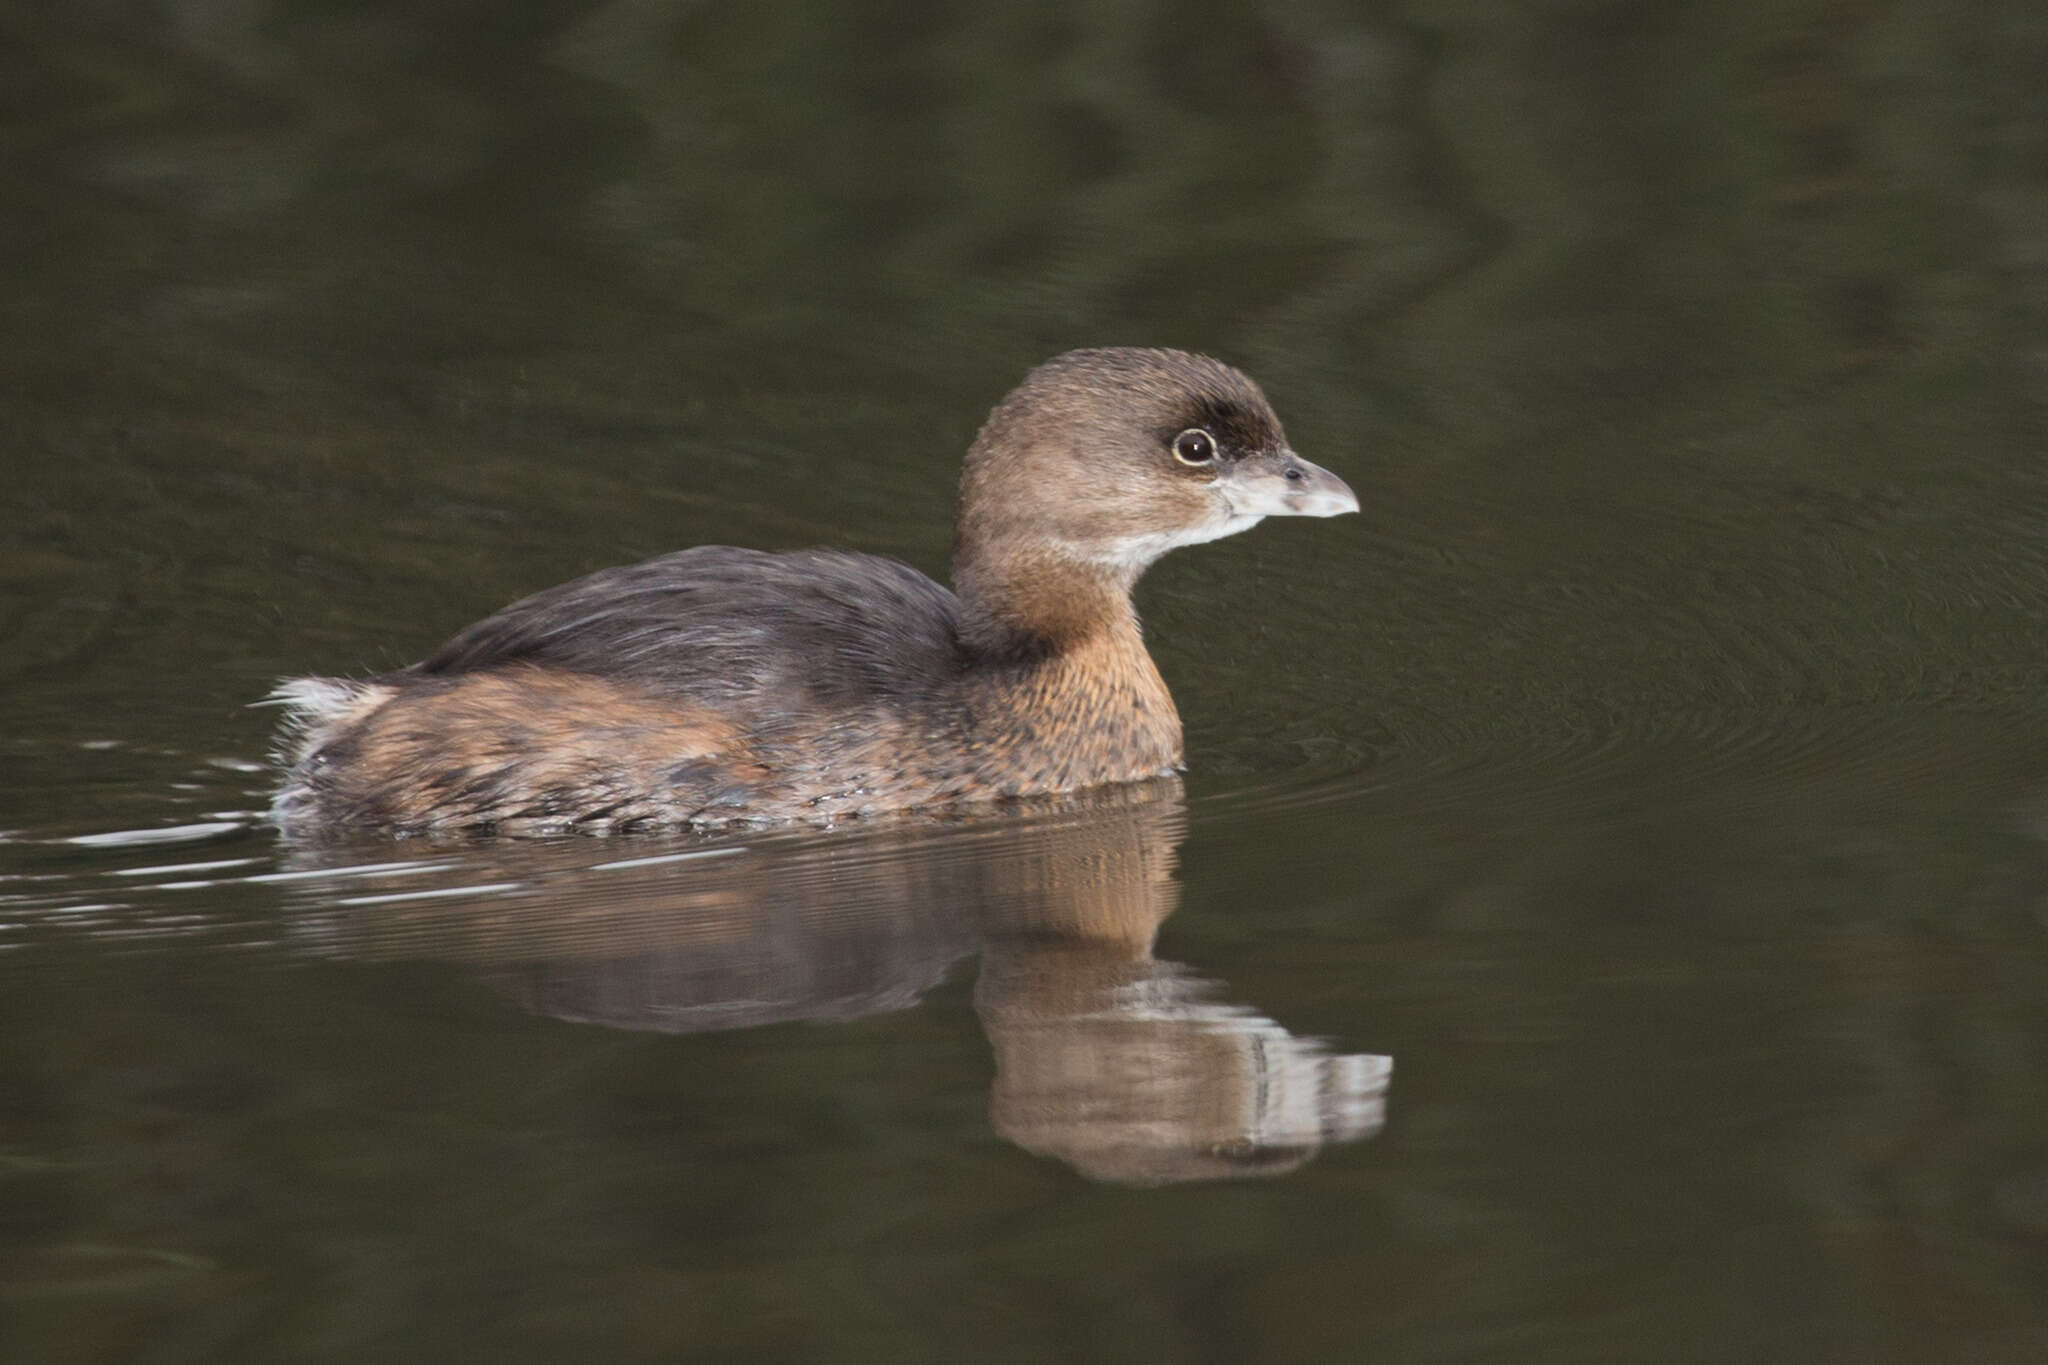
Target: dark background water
(1657, 770)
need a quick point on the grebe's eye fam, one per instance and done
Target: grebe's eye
(1194, 447)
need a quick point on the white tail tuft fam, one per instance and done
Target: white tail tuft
(314, 707)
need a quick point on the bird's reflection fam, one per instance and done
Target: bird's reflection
(1135, 1070)
(1126, 1067)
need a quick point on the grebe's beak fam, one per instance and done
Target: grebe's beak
(1282, 484)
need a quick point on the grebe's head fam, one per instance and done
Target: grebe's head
(1107, 459)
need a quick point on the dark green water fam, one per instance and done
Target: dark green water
(1607, 913)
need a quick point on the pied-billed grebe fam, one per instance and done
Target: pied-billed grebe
(717, 686)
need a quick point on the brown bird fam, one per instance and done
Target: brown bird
(716, 687)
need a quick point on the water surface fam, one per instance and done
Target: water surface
(1606, 914)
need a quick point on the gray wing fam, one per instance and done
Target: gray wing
(725, 626)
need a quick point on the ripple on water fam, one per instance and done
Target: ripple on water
(1699, 641)
(1702, 760)
(1125, 1066)
(206, 831)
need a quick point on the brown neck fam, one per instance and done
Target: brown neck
(1024, 602)
(1068, 685)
